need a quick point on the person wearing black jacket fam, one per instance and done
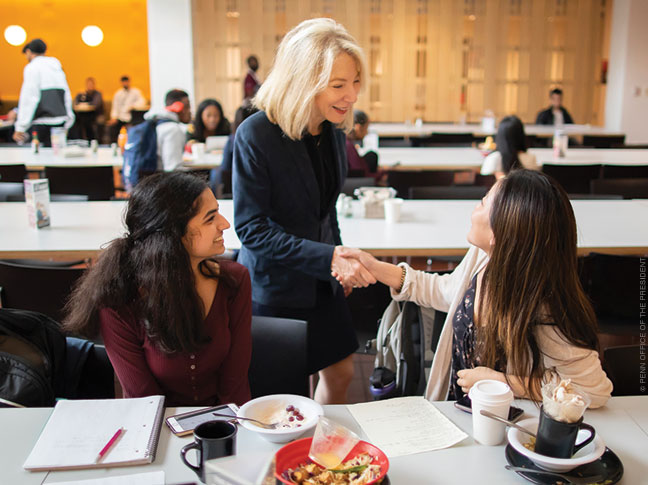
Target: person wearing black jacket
(555, 114)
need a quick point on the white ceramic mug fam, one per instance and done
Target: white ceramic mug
(393, 210)
(493, 396)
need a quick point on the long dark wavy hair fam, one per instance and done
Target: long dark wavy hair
(510, 140)
(532, 277)
(223, 127)
(148, 270)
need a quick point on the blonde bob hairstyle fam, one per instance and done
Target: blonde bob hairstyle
(302, 69)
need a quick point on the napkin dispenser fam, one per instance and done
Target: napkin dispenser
(372, 200)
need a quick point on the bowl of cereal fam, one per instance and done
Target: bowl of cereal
(294, 414)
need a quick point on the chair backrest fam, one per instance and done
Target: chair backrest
(402, 180)
(575, 179)
(11, 191)
(485, 180)
(97, 183)
(13, 173)
(279, 361)
(444, 140)
(623, 366)
(38, 288)
(350, 184)
(458, 192)
(630, 188)
(625, 171)
(597, 141)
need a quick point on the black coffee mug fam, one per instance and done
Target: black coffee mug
(212, 439)
(558, 439)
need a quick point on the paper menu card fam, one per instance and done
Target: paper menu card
(406, 425)
(78, 429)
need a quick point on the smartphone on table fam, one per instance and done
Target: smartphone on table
(465, 405)
(185, 423)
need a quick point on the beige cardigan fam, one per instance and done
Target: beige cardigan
(444, 292)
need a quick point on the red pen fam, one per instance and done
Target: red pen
(111, 442)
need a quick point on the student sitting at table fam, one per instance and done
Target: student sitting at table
(556, 114)
(511, 150)
(367, 164)
(516, 310)
(88, 106)
(209, 121)
(175, 320)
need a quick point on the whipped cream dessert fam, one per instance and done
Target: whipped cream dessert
(563, 403)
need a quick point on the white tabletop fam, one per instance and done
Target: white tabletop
(426, 129)
(427, 228)
(472, 158)
(621, 424)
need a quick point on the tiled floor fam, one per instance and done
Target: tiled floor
(359, 389)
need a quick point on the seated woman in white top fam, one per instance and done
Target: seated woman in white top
(516, 309)
(511, 150)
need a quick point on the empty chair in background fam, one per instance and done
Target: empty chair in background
(575, 179)
(402, 180)
(97, 183)
(444, 140)
(458, 192)
(624, 171)
(630, 188)
(13, 173)
(623, 365)
(604, 141)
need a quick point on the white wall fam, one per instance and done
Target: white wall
(170, 49)
(626, 106)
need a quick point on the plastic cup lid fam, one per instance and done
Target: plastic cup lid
(491, 391)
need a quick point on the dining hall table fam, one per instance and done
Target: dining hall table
(622, 424)
(427, 228)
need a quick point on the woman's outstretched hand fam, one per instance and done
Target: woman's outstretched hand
(349, 270)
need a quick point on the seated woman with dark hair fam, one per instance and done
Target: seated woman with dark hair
(367, 164)
(516, 309)
(175, 321)
(511, 150)
(209, 121)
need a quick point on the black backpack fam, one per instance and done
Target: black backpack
(32, 358)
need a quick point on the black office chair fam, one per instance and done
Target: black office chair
(622, 365)
(402, 180)
(456, 192)
(629, 188)
(13, 173)
(485, 180)
(279, 362)
(575, 179)
(625, 171)
(350, 184)
(444, 140)
(97, 183)
(603, 141)
(610, 284)
(39, 288)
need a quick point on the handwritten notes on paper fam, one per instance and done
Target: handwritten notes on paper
(406, 425)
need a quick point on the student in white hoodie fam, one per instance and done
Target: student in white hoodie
(45, 101)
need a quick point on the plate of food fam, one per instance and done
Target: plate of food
(365, 464)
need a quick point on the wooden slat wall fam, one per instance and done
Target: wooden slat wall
(504, 55)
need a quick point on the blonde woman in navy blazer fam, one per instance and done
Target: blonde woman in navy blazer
(289, 167)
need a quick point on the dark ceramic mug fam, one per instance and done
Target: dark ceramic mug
(558, 439)
(212, 439)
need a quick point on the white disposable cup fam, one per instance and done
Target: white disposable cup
(493, 396)
(393, 210)
(197, 150)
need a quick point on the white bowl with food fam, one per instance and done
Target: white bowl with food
(523, 444)
(295, 415)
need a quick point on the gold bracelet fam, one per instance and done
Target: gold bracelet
(402, 281)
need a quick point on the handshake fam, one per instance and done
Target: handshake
(353, 268)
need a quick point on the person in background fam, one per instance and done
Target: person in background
(517, 312)
(171, 133)
(89, 119)
(366, 165)
(251, 82)
(45, 100)
(555, 114)
(124, 100)
(220, 179)
(175, 320)
(289, 167)
(209, 121)
(511, 152)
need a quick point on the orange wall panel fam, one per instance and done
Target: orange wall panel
(59, 23)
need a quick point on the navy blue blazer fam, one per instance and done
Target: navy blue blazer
(286, 247)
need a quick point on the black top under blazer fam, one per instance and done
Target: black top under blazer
(285, 245)
(546, 117)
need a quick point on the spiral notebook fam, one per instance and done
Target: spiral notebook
(78, 429)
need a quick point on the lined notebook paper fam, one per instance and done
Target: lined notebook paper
(77, 430)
